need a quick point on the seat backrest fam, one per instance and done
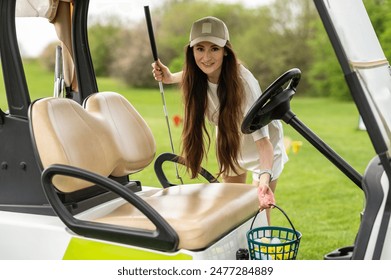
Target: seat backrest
(107, 136)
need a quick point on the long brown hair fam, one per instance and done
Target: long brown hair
(195, 136)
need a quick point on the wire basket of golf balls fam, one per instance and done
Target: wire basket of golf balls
(273, 243)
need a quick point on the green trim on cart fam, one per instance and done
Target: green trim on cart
(86, 249)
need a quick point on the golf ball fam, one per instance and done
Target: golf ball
(275, 240)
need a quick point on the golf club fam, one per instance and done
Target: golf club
(155, 57)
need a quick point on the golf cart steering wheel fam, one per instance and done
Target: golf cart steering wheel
(274, 103)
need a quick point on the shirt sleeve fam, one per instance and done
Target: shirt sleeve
(260, 133)
(253, 92)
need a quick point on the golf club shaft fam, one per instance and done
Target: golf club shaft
(155, 57)
(166, 115)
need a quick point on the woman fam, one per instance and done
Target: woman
(215, 85)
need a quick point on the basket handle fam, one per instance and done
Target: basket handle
(286, 216)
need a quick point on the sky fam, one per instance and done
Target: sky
(32, 43)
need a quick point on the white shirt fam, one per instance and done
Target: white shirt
(249, 154)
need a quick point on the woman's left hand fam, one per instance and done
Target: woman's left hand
(265, 197)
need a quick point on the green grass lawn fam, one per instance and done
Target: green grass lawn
(323, 203)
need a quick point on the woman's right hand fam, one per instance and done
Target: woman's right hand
(265, 197)
(161, 73)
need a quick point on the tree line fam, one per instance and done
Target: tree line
(268, 40)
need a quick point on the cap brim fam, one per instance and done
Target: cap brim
(217, 41)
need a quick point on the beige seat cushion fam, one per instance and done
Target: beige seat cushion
(199, 213)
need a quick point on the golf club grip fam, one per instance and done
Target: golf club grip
(150, 32)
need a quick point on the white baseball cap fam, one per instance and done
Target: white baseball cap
(209, 29)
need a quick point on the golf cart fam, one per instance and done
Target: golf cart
(65, 191)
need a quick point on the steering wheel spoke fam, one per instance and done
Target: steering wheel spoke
(274, 103)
